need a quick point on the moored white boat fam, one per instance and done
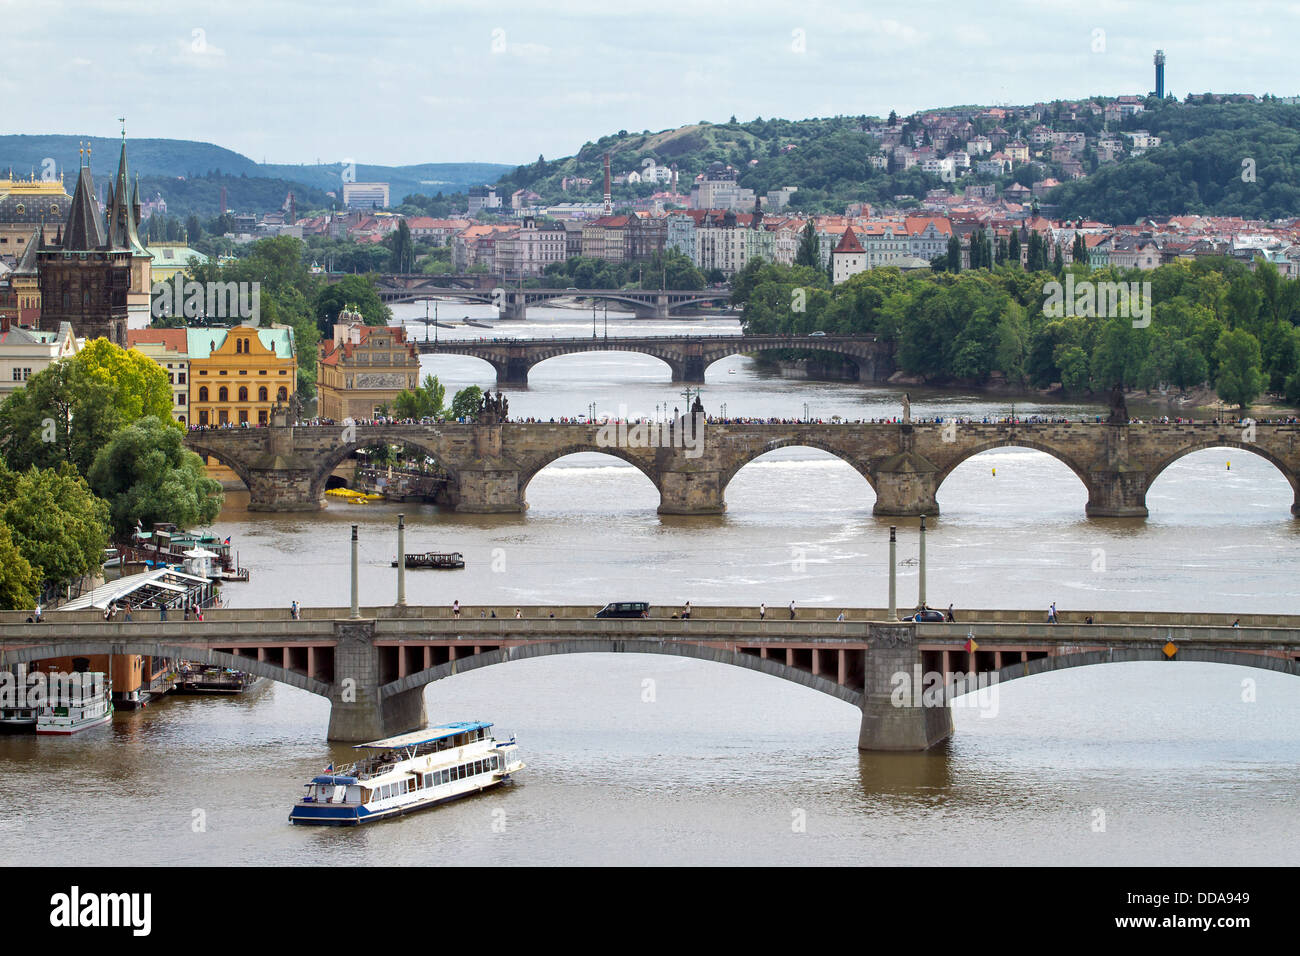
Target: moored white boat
(76, 705)
(409, 772)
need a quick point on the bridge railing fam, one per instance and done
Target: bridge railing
(747, 612)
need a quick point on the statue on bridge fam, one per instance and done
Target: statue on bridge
(493, 408)
(907, 408)
(698, 407)
(1118, 406)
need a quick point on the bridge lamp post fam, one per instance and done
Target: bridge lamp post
(893, 572)
(593, 318)
(401, 560)
(920, 587)
(356, 609)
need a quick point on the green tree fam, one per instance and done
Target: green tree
(55, 520)
(147, 475)
(809, 251)
(467, 402)
(356, 292)
(1240, 379)
(61, 416)
(19, 582)
(140, 386)
(424, 401)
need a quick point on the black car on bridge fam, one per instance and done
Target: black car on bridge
(625, 609)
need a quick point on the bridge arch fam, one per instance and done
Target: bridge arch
(860, 467)
(675, 366)
(530, 469)
(1121, 655)
(701, 652)
(233, 462)
(282, 675)
(1255, 449)
(1015, 442)
(331, 459)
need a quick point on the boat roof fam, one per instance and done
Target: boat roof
(335, 779)
(417, 737)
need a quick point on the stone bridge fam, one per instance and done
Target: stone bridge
(689, 356)
(373, 669)
(390, 284)
(514, 303)
(690, 462)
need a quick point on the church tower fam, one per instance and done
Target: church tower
(84, 280)
(123, 234)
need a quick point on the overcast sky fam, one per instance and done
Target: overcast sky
(407, 81)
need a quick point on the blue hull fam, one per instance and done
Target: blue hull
(338, 815)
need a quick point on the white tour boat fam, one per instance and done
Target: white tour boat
(85, 702)
(409, 772)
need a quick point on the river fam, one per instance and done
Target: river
(655, 760)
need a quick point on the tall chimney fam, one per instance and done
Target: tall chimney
(609, 198)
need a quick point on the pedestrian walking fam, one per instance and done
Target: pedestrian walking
(841, 617)
(455, 609)
(162, 612)
(293, 610)
(518, 614)
(38, 612)
(762, 611)
(1051, 613)
(792, 610)
(686, 611)
(951, 619)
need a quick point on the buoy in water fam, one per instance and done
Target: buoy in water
(1229, 466)
(995, 472)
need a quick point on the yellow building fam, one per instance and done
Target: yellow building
(238, 374)
(363, 368)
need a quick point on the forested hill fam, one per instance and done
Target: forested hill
(189, 174)
(1234, 159)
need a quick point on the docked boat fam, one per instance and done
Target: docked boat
(76, 705)
(409, 772)
(19, 715)
(433, 559)
(197, 678)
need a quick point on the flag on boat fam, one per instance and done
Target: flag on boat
(330, 768)
(227, 539)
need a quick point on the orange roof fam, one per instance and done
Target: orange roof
(849, 242)
(174, 340)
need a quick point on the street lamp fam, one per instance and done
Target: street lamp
(724, 410)
(593, 318)
(606, 305)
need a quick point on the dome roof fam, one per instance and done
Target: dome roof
(18, 207)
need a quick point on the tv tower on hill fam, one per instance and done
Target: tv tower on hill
(609, 198)
(1160, 74)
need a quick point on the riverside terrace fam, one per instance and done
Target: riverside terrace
(490, 464)
(372, 664)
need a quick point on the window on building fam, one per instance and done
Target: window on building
(243, 393)
(261, 416)
(243, 415)
(223, 394)
(180, 399)
(203, 417)
(203, 393)
(223, 417)
(261, 393)
(282, 394)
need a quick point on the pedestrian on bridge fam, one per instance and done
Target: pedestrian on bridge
(951, 619)
(686, 611)
(1051, 613)
(792, 610)
(762, 611)
(455, 609)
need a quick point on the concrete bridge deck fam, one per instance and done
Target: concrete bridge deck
(374, 668)
(692, 461)
(688, 356)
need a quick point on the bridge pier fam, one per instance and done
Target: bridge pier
(357, 713)
(895, 715)
(905, 486)
(515, 306)
(283, 489)
(691, 493)
(1118, 494)
(690, 370)
(513, 372)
